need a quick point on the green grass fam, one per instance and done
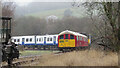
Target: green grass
(77, 12)
(33, 52)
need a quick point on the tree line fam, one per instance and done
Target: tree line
(36, 26)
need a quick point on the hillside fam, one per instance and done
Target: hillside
(77, 12)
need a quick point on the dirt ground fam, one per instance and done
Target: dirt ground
(78, 58)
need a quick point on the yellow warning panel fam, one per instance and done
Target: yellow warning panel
(61, 43)
(72, 42)
(67, 43)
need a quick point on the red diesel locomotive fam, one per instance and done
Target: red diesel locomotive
(72, 40)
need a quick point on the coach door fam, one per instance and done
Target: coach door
(44, 40)
(54, 40)
(23, 40)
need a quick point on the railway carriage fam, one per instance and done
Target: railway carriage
(17, 40)
(24, 40)
(71, 40)
(37, 41)
(47, 41)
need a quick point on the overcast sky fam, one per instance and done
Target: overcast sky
(26, 2)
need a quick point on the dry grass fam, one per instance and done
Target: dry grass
(80, 58)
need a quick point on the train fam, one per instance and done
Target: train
(65, 40)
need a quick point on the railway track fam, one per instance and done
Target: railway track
(25, 60)
(21, 60)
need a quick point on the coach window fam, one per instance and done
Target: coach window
(39, 39)
(14, 40)
(86, 40)
(77, 37)
(47, 39)
(81, 38)
(62, 37)
(50, 39)
(71, 36)
(27, 40)
(66, 36)
(18, 40)
(30, 39)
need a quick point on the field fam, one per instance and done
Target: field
(78, 58)
(34, 52)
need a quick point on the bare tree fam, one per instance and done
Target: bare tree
(8, 9)
(109, 14)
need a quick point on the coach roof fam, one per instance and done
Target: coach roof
(71, 32)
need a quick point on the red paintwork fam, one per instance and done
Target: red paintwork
(78, 42)
(75, 40)
(58, 40)
(64, 36)
(68, 36)
(81, 43)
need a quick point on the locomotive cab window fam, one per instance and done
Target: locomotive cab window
(62, 37)
(66, 36)
(71, 36)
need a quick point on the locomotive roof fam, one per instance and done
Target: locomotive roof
(71, 32)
